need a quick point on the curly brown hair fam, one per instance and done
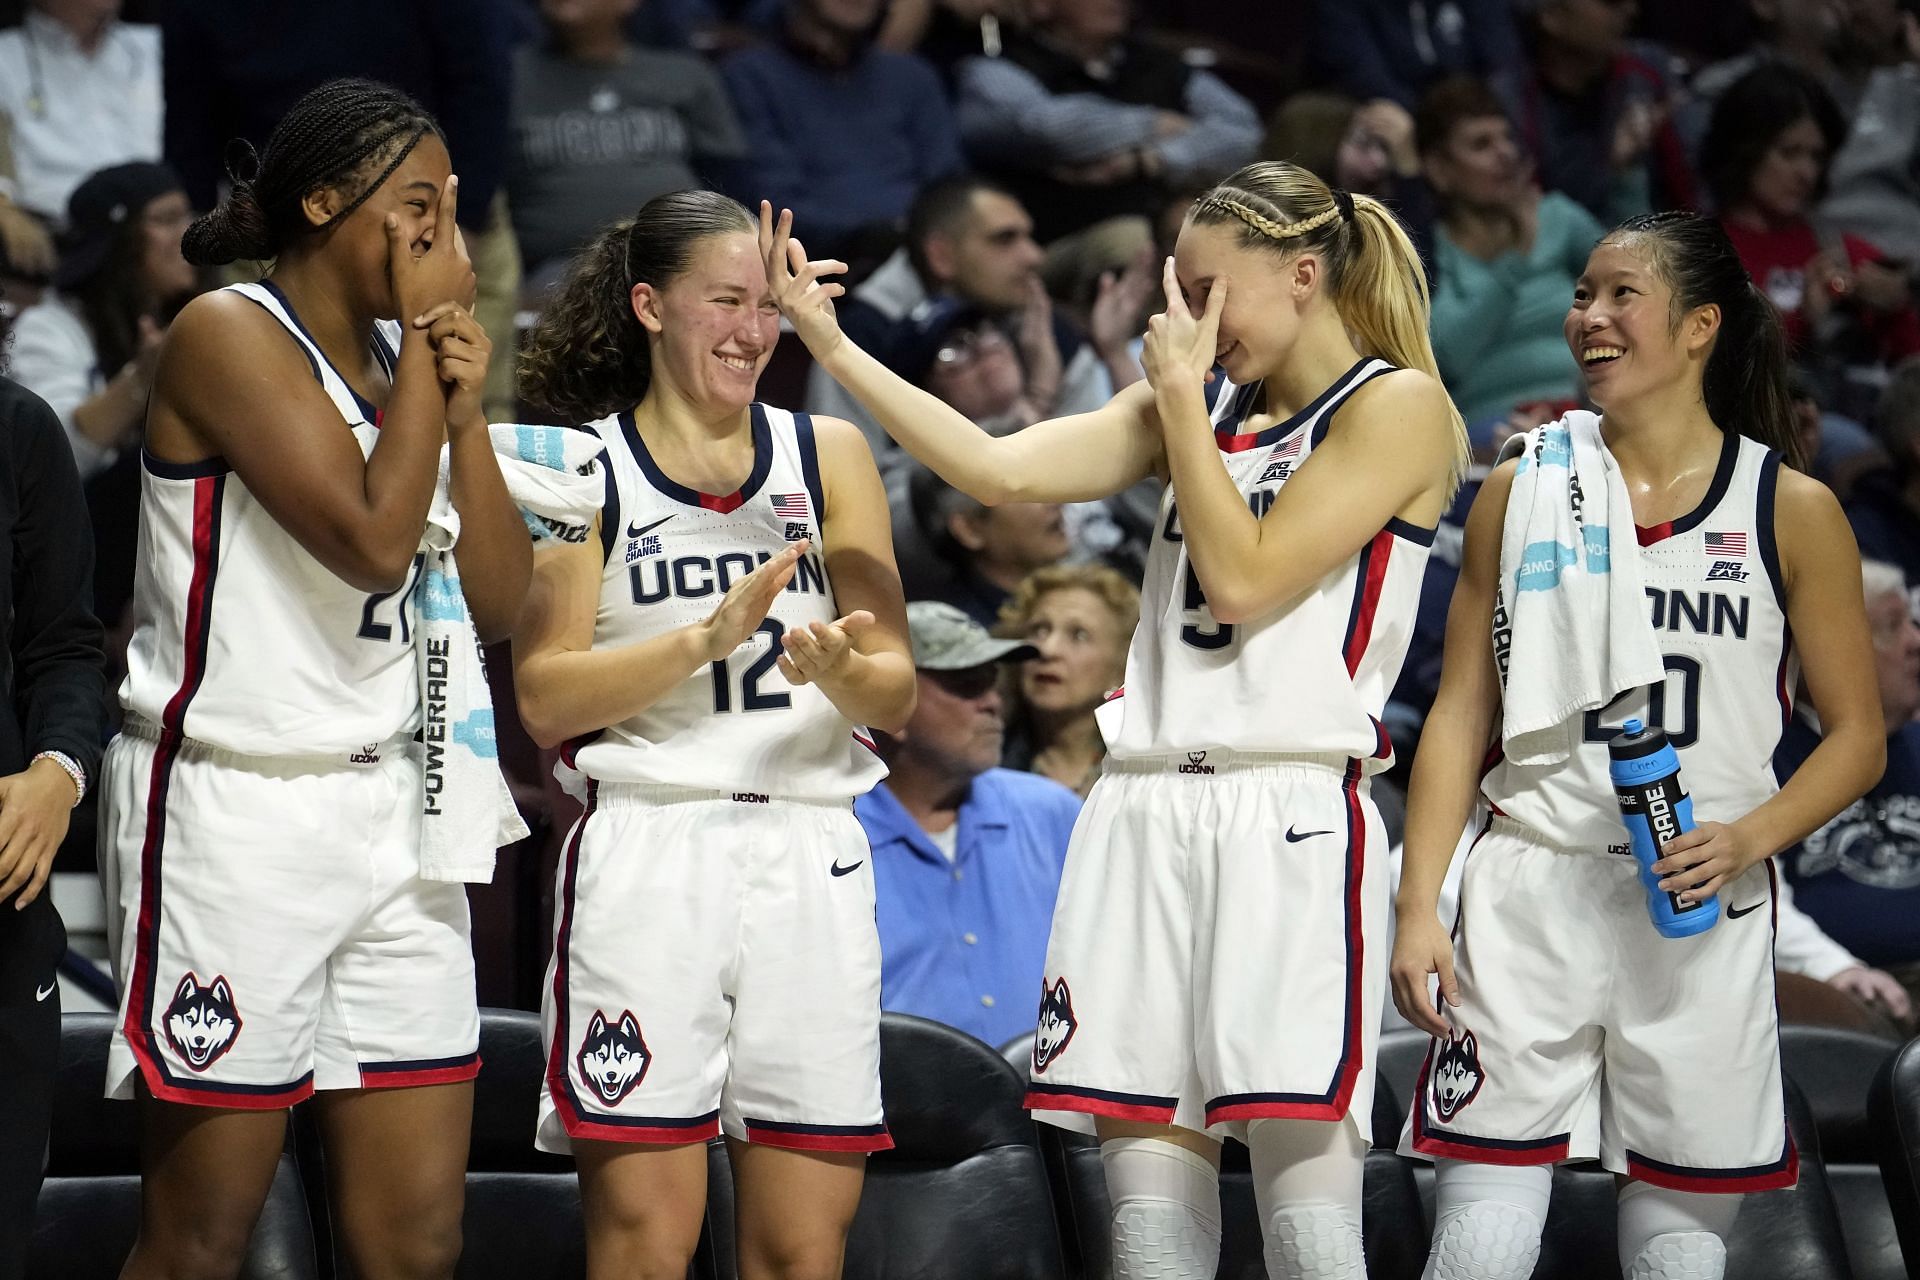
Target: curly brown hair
(588, 356)
(1121, 597)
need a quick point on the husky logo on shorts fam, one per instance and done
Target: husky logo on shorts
(201, 1022)
(614, 1059)
(1456, 1076)
(1056, 1024)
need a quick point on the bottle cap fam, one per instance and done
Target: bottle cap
(1635, 740)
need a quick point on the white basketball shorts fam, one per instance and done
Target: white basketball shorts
(270, 930)
(1583, 1032)
(1214, 950)
(716, 967)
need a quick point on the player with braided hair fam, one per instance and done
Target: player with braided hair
(261, 829)
(1209, 970)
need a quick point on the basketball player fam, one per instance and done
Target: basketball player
(1571, 1028)
(260, 836)
(709, 662)
(1279, 596)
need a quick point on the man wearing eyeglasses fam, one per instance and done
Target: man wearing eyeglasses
(966, 855)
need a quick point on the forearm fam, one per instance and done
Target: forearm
(110, 418)
(566, 694)
(874, 689)
(1220, 533)
(495, 550)
(1445, 781)
(1848, 761)
(404, 467)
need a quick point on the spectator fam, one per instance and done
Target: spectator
(1079, 619)
(1086, 122)
(1876, 173)
(1594, 111)
(51, 725)
(841, 132)
(1801, 948)
(966, 856)
(89, 349)
(1369, 149)
(1505, 258)
(1398, 49)
(1885, 507)
(946, 32)
(1765, 160)
(1839, 451)
(704, 26)
(974, 556)
(601, 126)
(1858, 876)
(971, 241)
(79, 92)
(1809, 35)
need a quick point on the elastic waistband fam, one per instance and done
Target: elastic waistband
(367, 757)
(1219, 760)
(616, 794)
(1501, 825)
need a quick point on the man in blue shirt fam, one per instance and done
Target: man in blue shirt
(966, 855)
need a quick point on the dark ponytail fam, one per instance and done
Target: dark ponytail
(325, 140)
(1745, 383)
(589, 356)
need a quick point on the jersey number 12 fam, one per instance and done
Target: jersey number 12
(750, 698)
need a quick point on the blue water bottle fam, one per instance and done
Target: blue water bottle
(1646, 779)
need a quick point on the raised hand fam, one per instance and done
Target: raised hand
(802, 296)
(745, 605)
(443, 273)
(461, 354)
(1180, 348)
(818, 650)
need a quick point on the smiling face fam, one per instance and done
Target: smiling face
(1266, 294)
(1083, 651)
(713, 326)
(1621, 326)
(411, 193)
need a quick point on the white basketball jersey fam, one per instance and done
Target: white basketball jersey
(1719, 615)
(1312, 677)
(671, 553)
(242, 639)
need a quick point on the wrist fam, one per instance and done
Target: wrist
(59, 767)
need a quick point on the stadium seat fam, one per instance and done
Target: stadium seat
(963, 1194)
(1835, 1070)
(1894, 1109)
(89, 1208)
(1780, 1235)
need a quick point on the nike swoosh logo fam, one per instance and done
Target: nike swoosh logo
(1734, 913)
(41, 993)
(645, 529)
(1294, 837)
(839, 870)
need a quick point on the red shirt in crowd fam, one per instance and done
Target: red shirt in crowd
(1776, 258)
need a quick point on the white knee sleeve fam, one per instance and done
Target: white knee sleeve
(1166, 1210)
(1307, 1180)
(1674, 1235)
(1487, 1220)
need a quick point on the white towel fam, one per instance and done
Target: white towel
(468, 811)
(1571, 595)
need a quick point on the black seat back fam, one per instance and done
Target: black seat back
(1894, 1108)
(1835, 1069)
(89, 1209)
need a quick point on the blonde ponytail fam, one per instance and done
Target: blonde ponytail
(1374, 273)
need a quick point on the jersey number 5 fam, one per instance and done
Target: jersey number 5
(751, 699)
(1213, 635)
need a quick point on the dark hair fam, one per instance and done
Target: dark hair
(588, 356)
(324, 140)
(1749, 118)
(1308, 129)
(1448, 103)
(110, 297)
(940, 208)
(1745, 381)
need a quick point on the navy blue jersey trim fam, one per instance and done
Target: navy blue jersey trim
(424, 1064)
(762, 464)
(810, 467)
(389, 358)
(1412, 532)
(368, 409)
(1688, 1171)
(827, 1130)
(312, 362)
(609, 511)
(1764, 529)
(1102, 1095)
(214, 466)
(1722, 478)
(1489, 1144)
(1344, 389)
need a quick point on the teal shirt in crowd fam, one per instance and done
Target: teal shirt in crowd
(1497, 325)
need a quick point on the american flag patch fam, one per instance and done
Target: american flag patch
(1289, 448)
(1726, 544)
(790, 506)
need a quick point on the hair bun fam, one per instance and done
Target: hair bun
(236, 230)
